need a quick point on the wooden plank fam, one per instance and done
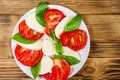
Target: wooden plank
(7, 23)
(10, 71)
(104, 34)
(94, 69)
(99, 69)
(79, 6)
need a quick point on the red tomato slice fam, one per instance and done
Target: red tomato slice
(52, 18)
(28, 33)
(76, 40)
(60, 70)
(28, 57)
(53, 15)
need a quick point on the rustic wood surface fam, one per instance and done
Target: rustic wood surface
(102, 18)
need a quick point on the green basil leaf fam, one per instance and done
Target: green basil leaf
(70, 59)
(41, 8)
(41, 20)
(58, 47)
(21, 39)
(73, 24)
(52, 35)
(35, 70)
(57, 43)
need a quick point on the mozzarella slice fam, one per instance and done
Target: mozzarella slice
(70, 52)
(35, 46)
(48, 47)
(60, 27)
(33, 24)
(46, 65)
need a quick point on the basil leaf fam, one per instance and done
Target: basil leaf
(35, 70)
(70, 59)
(58, 47)
(73, 24)
(21, 39)
(41, 20)
(41, 8)
(57, 43)
(52, 35)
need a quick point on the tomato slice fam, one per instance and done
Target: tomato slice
(28, 33)
(60, 70)
(75, 40)
(53, 15)
(28, 57)
(52, 18)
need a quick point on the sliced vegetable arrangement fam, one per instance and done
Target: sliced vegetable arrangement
(48, 42)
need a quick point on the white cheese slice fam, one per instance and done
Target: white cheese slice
(48, 47)
(33, 24)
(34, 46)
(70, 52)
(60, 27)
(46, 65)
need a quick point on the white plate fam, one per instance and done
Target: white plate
(83, 53)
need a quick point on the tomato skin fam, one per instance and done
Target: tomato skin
(28, 33)
(28, 57)
(75, 40)
(53, 15)
(60, 70)
(52, 18)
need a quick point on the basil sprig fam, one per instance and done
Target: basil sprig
(70, 59)
(57, 43)
(73, 24)
(59, 49)
(21, 39)
(41, 8)
(35, 70)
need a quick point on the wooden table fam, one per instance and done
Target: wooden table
(102, 18)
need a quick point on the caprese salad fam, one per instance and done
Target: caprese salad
(48, 42)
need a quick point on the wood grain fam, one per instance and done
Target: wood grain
(104, 34)
(80, 6)
(102, 18)
(100, 69)
(94, 69)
